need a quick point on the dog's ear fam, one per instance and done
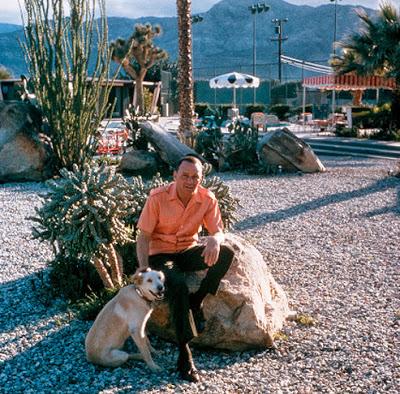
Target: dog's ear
(137, 279)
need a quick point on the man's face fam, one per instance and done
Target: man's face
(187, 178)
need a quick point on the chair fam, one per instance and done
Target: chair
(258, 119)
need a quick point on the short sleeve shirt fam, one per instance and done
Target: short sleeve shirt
(174, 227)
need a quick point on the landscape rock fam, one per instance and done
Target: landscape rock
(283, 148)
(248, 309)
(139, 162)
(23, 155)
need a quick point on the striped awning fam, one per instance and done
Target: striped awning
(348, 82)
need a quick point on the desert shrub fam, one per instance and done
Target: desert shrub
(203, 109)
(209, 144)
(240, 149)
(253, 108)
(227, 203)
(83, 218)
(280, 110)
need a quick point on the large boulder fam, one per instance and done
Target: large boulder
(23, 155)
(139, 162)
(283, 148)
(247, 310)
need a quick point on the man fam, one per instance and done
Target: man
(169, 225)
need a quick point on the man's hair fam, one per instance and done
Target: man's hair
(190, 158)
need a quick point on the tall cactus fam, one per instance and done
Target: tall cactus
(58, 50)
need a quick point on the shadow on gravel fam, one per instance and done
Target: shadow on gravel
(20, 304)
(57, 363)
(283, 214)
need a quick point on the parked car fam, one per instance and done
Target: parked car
(113, 135)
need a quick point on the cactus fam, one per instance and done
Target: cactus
(83, 217)
(58, 51)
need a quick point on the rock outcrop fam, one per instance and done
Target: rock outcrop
(23, 155)
(283, 148)
(248, 309)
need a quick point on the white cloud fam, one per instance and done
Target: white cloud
(9, 9)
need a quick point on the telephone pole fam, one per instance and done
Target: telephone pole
(279, 31)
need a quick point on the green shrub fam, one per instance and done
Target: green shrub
(83, 218)
(280, 110)
(240, 150)
(203, 109)
(253, 108)
(209, 144)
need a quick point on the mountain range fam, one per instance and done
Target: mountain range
(223, 40)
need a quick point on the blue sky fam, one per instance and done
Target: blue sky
(9, 9)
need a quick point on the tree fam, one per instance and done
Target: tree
(375, 50)
(57, 51)
(137, 54)
(185, 82)
(4, 73)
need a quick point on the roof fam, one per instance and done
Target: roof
(349, 82)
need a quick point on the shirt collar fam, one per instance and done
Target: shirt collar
(174, 196)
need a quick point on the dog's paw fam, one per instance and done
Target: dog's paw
(155, 368)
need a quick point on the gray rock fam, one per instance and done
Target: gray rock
(283, 148)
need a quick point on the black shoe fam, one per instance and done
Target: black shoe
(192, 375)
(187, 370)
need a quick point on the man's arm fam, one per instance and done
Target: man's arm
(142, 249)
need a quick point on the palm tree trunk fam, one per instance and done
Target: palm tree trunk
(185, 82)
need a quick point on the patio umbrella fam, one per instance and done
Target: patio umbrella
(234, 80)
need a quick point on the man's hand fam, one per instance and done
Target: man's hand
(211, 251)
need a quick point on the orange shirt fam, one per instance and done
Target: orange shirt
(174, 227)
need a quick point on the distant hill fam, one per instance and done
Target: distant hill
(8, 27)
(222, 42)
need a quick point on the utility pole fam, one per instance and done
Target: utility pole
(255, 9)
(278, 30)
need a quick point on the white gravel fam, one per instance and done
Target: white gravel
(332, 240)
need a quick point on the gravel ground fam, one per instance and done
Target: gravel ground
(331, 240)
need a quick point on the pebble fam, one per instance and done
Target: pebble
(331, 240)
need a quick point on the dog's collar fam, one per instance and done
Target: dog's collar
(141, 295)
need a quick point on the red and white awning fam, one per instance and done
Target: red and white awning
(348, 82)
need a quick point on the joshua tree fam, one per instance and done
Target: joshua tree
(57, 50)
(137, 54)
(375, 49)
(185, 82)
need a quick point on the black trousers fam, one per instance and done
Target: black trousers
(174, 266)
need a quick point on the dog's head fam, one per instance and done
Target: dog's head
(150, 283)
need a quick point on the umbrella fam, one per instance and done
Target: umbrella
(234, 80)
